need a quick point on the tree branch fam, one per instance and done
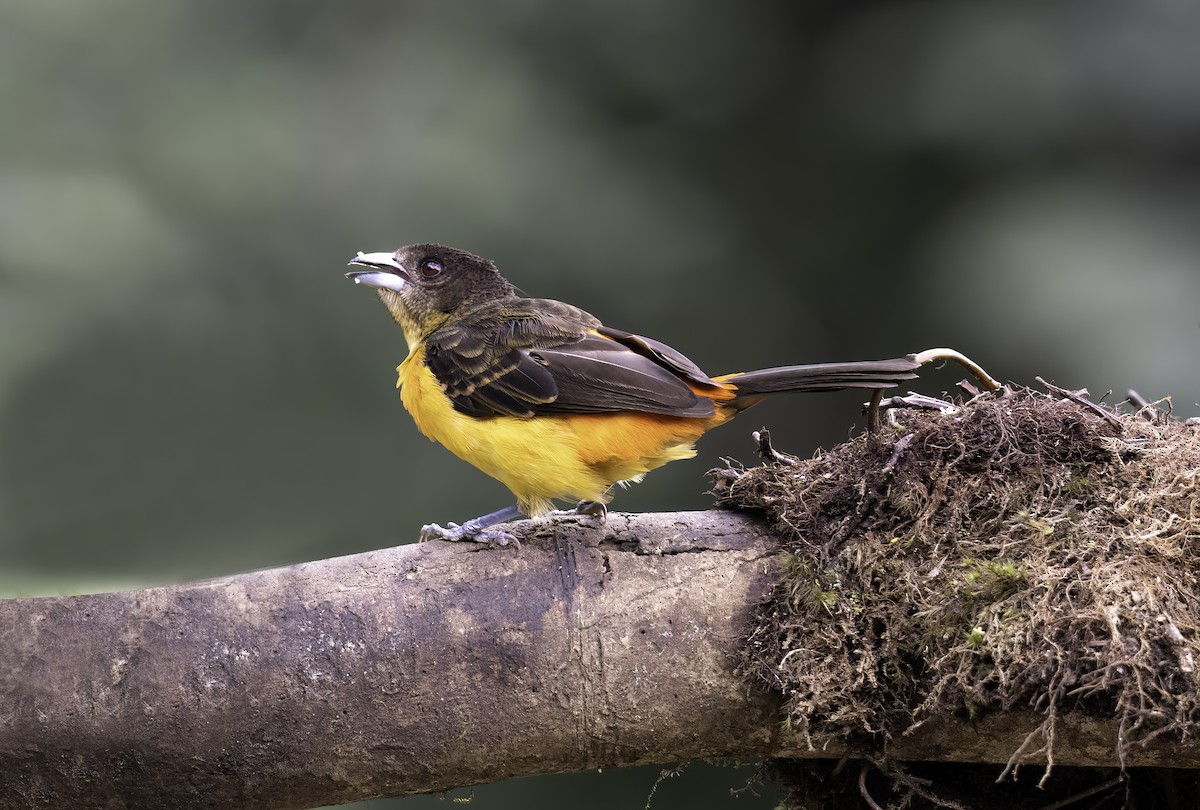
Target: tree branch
(407, 670)
(421, 668)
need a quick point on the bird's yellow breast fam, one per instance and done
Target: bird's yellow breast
(557, 456)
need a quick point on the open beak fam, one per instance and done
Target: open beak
(383, 271)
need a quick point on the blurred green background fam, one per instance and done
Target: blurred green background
(189, 387)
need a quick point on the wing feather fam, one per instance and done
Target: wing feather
(529, 356)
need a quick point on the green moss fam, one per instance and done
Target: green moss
(992, 580)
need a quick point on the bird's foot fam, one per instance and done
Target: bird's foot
(469, 531)
(590, 509)
(477, 530)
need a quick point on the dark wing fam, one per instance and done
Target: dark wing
(662, 354)
(598, 375)
(525, 357)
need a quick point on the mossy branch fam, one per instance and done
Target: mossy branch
(1017, 552)
(426, 667)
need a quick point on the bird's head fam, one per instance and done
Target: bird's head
(424, 286)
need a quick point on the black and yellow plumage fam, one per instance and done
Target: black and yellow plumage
(543, 397)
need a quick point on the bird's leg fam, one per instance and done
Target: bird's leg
(592, 509)
(477, 529)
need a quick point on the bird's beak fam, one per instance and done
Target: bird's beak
(385, 271)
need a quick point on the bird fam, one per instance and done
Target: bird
(545, 398)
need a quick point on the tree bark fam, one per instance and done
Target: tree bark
(406, 670)
(421, 668)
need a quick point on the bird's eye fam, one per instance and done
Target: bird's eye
(431, 268)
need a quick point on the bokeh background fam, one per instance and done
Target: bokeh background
(189, 387)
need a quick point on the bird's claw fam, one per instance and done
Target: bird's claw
(587, 509)
(592, 509)
(455, 533)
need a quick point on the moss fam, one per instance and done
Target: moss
(1004, 555)
(991, 580)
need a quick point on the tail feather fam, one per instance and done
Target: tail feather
(872, 374)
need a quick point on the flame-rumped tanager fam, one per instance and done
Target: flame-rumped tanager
(545, 398)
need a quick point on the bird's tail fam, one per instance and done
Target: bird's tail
(871, 374)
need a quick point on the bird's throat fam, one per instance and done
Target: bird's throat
(415, 329)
